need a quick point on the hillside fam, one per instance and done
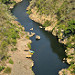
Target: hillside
(58, 17)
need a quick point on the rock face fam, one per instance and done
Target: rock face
(37, 37)
(49, 28)
(42, 18)
(17, 1)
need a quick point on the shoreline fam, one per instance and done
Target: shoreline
(35, 16)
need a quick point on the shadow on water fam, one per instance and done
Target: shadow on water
(48, 52)
(57, 47)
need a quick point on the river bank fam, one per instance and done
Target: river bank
(36, 16)
(15, 61)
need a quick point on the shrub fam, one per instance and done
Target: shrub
(11, 61)
(47, 23)
(7, 70)
(4, 1)
(27, 37)
(1, 68)
(4, 44)
(5, 57)
(13, 49)
(21, 28)
(14, 41)
(29, 46)
(29, 11)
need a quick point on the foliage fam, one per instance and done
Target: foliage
(1, 68)
(29, 11)
(29, 46)
(11, 61)
(7, 1)
(27, 37)
(4, 1)
(7, 70)
(73, 68)
(13, 49)
(47, 23)
(9, 31)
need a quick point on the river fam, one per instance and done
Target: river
(49, 53)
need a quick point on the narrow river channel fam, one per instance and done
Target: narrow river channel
(48, 52)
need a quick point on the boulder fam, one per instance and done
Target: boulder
(37, 37)
(40, 27)
(28, 56)
(32, 34)
(31, 29)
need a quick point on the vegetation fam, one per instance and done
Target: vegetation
(13, 49)
(47, 23)
(29, 46)
(7, 1)
(2, 68)
(7, 70)
(27, 37)
(9, 31)
(29, 11)
(11, 61)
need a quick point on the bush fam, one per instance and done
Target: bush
(47, 23)
(14, 41)
(13, 49)
(1, 68)
(29, 11)
(7, 70)
(29, 46)
(11, 61)
(4, 1)
(4, 44)
(27, 37)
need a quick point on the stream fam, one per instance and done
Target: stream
(49, 53)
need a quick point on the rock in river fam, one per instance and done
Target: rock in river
(31, 29)
(37, 37)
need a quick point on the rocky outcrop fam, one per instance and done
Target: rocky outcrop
(42, 18)
(11, 6)
(31, 34)
(17, 1)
